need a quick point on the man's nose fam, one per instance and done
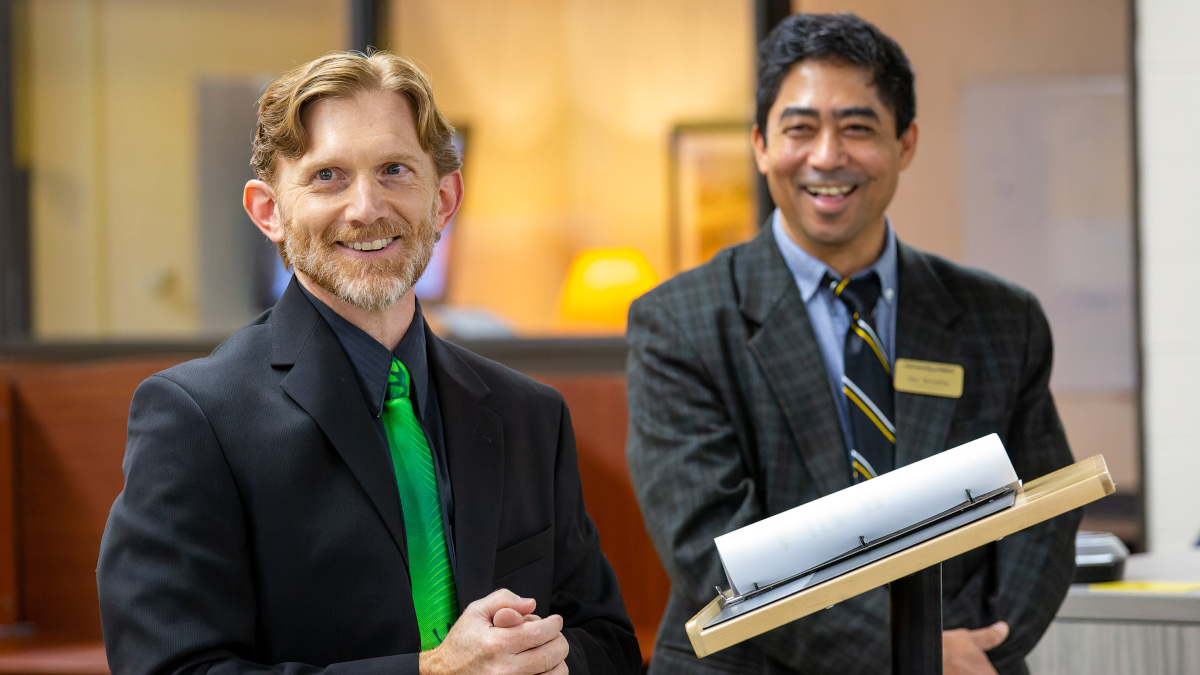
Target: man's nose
(827, 150)
(366, 201)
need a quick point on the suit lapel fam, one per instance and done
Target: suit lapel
(474, 437)
(322, 382)
(925, 314)
(787, 352)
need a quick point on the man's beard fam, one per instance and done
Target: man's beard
(371, 284)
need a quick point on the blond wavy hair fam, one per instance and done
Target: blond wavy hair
(280, 133)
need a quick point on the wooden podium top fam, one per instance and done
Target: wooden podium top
(1038, 500)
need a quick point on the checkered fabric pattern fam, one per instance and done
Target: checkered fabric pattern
(732, 420)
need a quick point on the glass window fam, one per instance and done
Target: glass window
(134, 120)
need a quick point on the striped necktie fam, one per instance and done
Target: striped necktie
(866, 381)
(428, 561)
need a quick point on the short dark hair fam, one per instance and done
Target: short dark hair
(844, 37)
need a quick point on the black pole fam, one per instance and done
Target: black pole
(14, 192)
(767, 15)
(368, 24)
(916, 603)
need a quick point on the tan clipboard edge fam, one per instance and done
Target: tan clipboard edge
(1040, 499)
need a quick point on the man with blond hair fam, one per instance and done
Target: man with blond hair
(335, 487)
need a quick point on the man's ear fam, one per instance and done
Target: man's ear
(450, 196)
(760, 150)
(262, 206)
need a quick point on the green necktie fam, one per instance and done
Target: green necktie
(428, 562)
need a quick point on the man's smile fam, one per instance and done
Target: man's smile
(372, 245)
(830, 198)
(829, 190)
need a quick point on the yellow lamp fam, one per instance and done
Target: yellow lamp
(601, 283)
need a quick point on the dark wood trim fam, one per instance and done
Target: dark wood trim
(767, 15)
(14, 193)
(368, 24)
(554, 355)
(10, 586)
(1138, 319)
(536, 355)
(63, 352)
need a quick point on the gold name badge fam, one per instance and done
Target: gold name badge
(929, 378)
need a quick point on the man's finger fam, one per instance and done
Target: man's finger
(962, 655)
(501, 598)
(544, 658)
(507, 617)
(533, 634)
(990, 637)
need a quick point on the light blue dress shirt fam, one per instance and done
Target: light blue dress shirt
(828, 315)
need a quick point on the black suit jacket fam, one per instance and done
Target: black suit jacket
(260, 524)
(732, 420)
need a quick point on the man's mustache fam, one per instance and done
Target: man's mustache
(835, 177)
(380, 229)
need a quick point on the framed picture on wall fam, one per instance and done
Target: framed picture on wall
(712, 190)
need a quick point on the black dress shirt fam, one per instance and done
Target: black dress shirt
(372, 363)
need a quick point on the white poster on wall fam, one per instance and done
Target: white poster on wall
(1047, 203)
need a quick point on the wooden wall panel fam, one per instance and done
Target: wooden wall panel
(71, 425)
(600, 418)
(11, 601)
(9, 583)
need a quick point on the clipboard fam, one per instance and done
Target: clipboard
(1036, 501)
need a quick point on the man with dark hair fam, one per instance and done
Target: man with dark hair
(843, 37)
(336, 489)
(764, 379)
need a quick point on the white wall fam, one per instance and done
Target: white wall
(1168, 71)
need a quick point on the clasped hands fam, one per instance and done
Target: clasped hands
(500, 635)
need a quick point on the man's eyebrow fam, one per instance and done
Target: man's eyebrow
(308, 164)
(856, 111)
(840, 113)
(797, 111)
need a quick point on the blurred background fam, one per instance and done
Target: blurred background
(606, 148)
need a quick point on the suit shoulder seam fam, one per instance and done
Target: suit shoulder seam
(204, 415)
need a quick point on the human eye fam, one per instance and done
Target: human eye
(798, 129)
(859, 129)
(395, 169)
(325, 175)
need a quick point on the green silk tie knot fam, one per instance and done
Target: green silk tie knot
(429, 571)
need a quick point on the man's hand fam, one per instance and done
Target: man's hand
(963, 651)
(500, 635)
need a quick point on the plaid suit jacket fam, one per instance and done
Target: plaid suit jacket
(731, 420)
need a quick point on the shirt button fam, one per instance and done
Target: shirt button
(888, 293)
